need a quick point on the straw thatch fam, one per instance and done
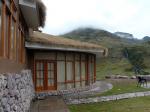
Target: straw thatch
(42, 12)
(46, 39)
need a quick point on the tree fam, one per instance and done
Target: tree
(136, 59)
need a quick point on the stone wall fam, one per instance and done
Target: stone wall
(16, 91)
(42, 95)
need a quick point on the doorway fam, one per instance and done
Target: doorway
(45, 75)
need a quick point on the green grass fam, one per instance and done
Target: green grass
(141, 104)
(123, 86)
(115, 66)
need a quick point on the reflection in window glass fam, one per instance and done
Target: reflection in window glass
(61, 71)
(61, 75)
(83, 70)
(77, 71)
(12, 40)
(8, 2)
(60, 56)
(69, 57)
(39, 74)
(70, 71)
(77, 57)
(6, 27)
(83, 57)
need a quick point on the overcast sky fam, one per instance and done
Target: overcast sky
(132, 16)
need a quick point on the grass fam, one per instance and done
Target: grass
(110, 66)
(141, 104)
(123, 86)
(118, 67)
(120, 86)
(113, 67)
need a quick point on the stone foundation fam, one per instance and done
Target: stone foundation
(16, 91)
(42, 95)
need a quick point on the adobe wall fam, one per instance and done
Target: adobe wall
(10, 66)
(16, 91)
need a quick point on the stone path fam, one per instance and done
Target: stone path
(101, 86)
(107, 98)
(57, 103)
(50, 104)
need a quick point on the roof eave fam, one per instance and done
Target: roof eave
(30, 13)
(31, 45)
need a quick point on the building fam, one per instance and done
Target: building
(57, 63)
(16, 18)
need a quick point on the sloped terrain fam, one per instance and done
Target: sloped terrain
(115, 63)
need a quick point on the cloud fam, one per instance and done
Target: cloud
(114, 15)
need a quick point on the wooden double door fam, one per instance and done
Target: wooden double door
(45, 75)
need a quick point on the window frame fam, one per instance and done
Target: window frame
(14, 17)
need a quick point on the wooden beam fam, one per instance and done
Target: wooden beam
(80, 71)
(45, 70)
(74, 75)
(88, 78)
(94, 68)
(65, 71)
(55, 74)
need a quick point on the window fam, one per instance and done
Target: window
(14, 11)
(50, 73)
(61, 56)
(22, 48)
(11, 32)
(77, 70)
(39, 74)
(61, 74)
(91, 69)
(8, 3)
(17, 44)
(83, 70)
(69, 57)
(1, 41)
(6, 32)
(12, 40)
(69, 71)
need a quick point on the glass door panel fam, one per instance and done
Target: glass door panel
(51, 75)
(39, 75)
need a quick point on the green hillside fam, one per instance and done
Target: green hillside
(115, 63)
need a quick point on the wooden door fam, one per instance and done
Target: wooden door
(45, 75)
(39, 75)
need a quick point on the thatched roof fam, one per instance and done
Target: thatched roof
(42, 12)
(65, 43)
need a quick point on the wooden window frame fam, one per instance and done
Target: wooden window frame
(7, 32)
(5, 45)
(87, 61)
(45, 76)
(2, 30)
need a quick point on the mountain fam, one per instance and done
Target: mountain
(115, 63)
(110, 40)
(124, 35)
(146, 38)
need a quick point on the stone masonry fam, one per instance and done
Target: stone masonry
(107, 98)
(16, 91)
